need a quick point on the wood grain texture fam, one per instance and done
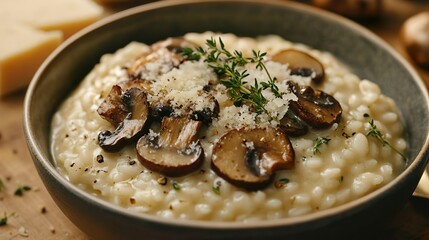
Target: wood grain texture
(35, 215)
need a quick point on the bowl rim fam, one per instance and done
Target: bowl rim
(204, 224)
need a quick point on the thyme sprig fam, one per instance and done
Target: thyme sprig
(318, 142)
(216, 190)
(374, 132)
(176, 186)
(226, 65)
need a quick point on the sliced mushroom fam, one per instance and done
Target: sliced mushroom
(316, 108)
(174, 44)
(207, 114)
(165, 54)
(164, 108)
(134, 124)
(175, 151)
(144, 85)
(158, 110)
(162, 59)
(112, 108)
(249, 158)
(301, 63)
(292, 125)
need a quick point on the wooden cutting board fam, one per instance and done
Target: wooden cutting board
(34, 215)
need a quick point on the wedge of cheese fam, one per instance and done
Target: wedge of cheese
(31, 29)
(67, 16)
(22, 50)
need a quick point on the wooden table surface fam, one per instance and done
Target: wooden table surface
(34, 215)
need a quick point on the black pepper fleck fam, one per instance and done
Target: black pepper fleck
(100, 158)
(207, 88)
(162, 180)
(345, 135)
(132, 162)
(72, 165)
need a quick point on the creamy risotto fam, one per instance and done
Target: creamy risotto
(299, 135)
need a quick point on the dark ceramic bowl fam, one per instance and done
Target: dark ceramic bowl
(364, 53)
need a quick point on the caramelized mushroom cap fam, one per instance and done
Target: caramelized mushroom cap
(207, 114)
(160, 109)
(112, 108)
(249, 158)
(157, 109)
(316, 108)
(134, 124)
(292, 125)
(175, 151)
(301, 63)
(167, 52)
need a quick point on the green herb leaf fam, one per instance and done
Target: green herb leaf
(281, 182)
(3, 220)
(20, 190)
(216, 189)
(225, 63)
(190, 54)
(374, 132)
(284, 180)
(318, 142)
(176, 186)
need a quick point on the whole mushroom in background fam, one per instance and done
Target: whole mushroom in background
(415, 37)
